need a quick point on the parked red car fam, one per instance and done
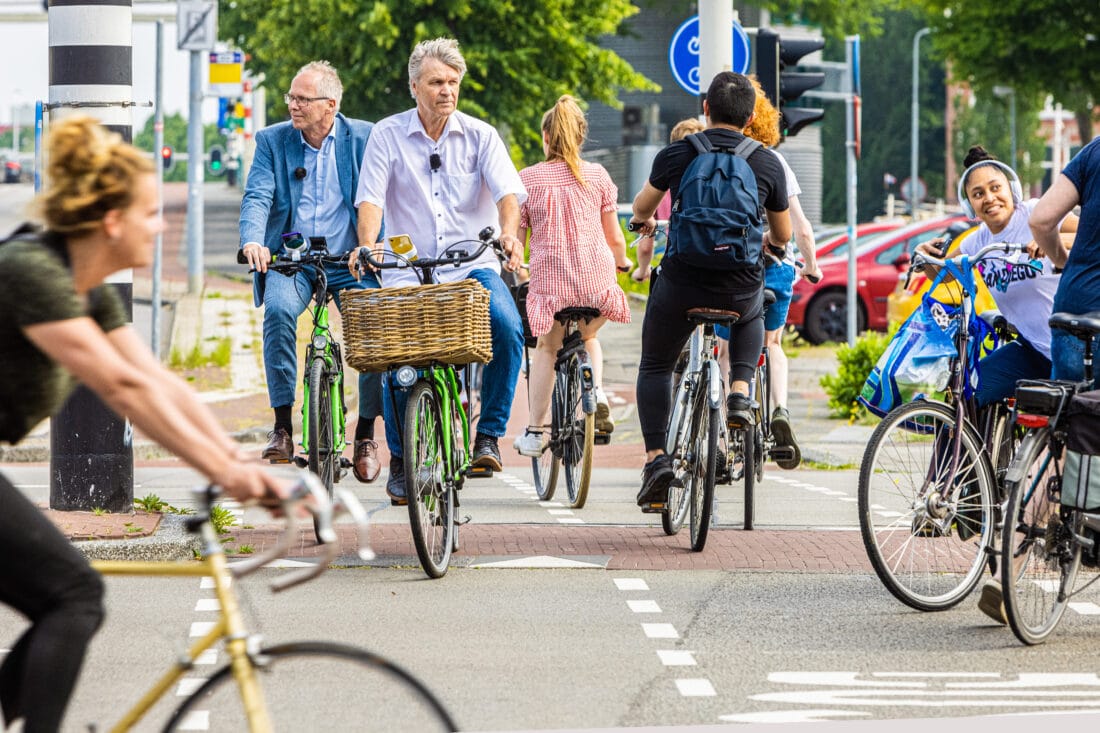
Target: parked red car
(820, 311)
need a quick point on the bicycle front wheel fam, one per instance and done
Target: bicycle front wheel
(322, 454)
(429, 487)
(318, 686)
(576, 430)
(1040, 556)
(926, 528)
(702, 460)
(678, 505)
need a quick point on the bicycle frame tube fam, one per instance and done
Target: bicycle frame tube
(445, 383)
(229, 626)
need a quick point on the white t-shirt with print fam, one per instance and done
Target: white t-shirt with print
(1023, 295)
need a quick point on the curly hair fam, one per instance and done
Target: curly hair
(91, 171)
(764, 127)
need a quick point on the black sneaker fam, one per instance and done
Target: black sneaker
(784, 439)
(395, 484)
(486, 453)
(738, 411)
(656, 478)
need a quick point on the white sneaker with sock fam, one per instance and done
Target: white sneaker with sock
(530, 444)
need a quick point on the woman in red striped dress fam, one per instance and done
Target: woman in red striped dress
(576, 246)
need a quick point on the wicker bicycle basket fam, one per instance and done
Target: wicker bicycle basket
(389, 327)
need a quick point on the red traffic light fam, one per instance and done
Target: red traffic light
(166, 156)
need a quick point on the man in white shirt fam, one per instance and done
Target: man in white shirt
(441, 176)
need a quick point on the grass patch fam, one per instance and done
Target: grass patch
(197, 357)
(222, 519)
(819, 466)
(99, 511)
(246, 549)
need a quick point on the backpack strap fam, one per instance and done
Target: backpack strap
(746, 147)
(700, 142)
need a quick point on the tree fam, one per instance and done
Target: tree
(1038, 47)
(520, 56)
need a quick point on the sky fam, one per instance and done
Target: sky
(24, 61)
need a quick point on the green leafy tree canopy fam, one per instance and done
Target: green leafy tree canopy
(520, 56)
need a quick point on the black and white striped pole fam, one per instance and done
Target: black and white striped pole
(91, 72)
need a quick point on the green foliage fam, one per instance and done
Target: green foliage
(197, 357)
(986, 123)
(837, 18)
(150, 503)
(221, 518)
(520, 56)
(1039, 47)
(854, 363)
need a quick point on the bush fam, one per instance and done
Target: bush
(854, 363)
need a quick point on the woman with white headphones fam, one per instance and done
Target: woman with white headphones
(990, 191)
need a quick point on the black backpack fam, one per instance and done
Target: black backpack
(717, 222)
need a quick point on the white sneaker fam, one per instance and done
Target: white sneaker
(530, 444)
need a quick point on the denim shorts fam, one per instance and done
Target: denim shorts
(780, 280)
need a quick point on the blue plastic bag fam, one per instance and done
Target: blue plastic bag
(918, 359)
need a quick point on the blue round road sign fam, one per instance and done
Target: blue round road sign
(683, 53)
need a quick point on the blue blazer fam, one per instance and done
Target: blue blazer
(272, 193)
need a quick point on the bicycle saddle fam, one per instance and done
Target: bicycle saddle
(1082, 326)
(576, 314)
(711, 315)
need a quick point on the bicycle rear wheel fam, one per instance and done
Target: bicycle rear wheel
(702, 459)
(429, 487)
(318, 686)
(1040, 557)
(677, 444)
(577, 431)
(926, 529)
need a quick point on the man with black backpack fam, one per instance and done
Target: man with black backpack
(723, 187)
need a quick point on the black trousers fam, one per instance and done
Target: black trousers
(665, 330)
(48, 581)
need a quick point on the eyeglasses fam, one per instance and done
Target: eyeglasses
(301, 101)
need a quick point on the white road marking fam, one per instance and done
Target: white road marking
(644, 606)
(631, 584)
(538, 561)
(560, 512)
(550, 503)
(660, 631)
(201, 628)
(676, 657)
(187, 685)
(790, 716)
(196, 720)
(1085, 608)
(208, 657)
(206, 583)
(208, 604)
(573, 520)
(700, 687)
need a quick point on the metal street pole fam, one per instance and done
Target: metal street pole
(914, 144)
(715, 49)
(158, 145)
(851, 54)
(195, 167)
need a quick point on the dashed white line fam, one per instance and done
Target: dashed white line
(644, 606)
(676, 657)
(201, 628)
(196, 720)
(631, 584)
(660, 631)
(208, 604)
(560, 512)
(188, 685)
(700, 687)
(1085, 608)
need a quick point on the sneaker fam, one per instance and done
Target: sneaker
(395, 484)
(532, 443)
(784, 438)
(656, 478)
(738, 411)
(604, 423)
(992, 601)
(486, 452)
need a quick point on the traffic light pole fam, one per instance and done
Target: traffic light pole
(158, 145)
(851, 54)
(195, 165)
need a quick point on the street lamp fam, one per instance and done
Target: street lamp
(914, 142)
(1010, 92)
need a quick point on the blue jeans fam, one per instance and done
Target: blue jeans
(285, 299)
(1007, 364)
(498, 382)
(1067, 352)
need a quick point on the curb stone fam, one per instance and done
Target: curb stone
(171, 541)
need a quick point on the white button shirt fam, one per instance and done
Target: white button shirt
(437, 208)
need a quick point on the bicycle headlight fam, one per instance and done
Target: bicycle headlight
(405, 376)
(320, 341)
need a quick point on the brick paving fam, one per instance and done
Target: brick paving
(91, 526)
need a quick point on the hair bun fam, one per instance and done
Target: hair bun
(976, 154)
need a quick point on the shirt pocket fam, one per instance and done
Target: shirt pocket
(462, 190)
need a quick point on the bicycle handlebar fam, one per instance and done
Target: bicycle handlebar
(309, 494)
(921, 260)
(289, 263)
(423, 265)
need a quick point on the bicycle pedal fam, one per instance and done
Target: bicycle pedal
(345, 462)
(781, 453)
(656, 507)
(479, 472)
(464, 520)
(601, 439)
(300, 462)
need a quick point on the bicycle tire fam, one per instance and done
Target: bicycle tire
(1004, 441)
(577, 430)
(290, 671)
(678, 505)
(1040, 557)
(753, 442)
(322, 456)
(429, 488)
(927, 536)
(545, 470)
(703, 462)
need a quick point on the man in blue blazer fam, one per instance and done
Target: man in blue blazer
(303, 179)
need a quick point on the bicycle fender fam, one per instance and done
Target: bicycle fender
(714, 384)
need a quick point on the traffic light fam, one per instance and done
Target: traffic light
(773, 57)
(166, 157)
(214, 160)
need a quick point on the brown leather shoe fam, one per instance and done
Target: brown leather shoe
(280, 449)
(365, 465)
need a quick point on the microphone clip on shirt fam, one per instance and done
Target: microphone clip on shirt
(299, 173)
(435, 161)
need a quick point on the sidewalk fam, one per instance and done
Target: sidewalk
(224, 311)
